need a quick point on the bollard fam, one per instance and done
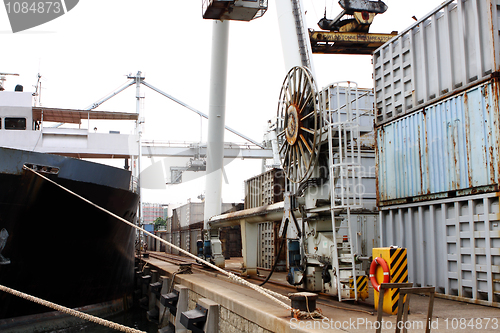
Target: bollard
(164, 311)
(182, 306)
(212, 323)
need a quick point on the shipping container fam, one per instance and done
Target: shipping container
(264, 189)
(149, 227)
(191, 213)
(185, 240)
(269, 241)
(334, 97)
(453, 244)
(176, 240)
(449, 148)
(368, 180)
(450, 49)
(168, 238)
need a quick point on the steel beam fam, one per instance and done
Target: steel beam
(150, 151)
(332, 42)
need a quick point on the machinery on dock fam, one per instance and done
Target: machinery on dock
(318, 136)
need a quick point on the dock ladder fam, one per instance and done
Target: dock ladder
(341, 115)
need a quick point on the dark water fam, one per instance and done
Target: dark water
(134, 318)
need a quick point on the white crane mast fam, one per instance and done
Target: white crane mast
(296, 46)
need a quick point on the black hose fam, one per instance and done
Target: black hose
(283, 240)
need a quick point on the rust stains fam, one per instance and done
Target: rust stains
(467, 141)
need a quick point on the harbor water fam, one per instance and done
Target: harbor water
(133, 318)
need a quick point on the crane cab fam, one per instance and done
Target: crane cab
(238, 10)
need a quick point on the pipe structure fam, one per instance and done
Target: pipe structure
(273, 212)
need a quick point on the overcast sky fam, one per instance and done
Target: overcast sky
(87, 53)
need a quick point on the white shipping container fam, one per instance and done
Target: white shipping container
(450, 49)
(193, 212)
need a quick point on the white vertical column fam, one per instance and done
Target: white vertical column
(216, 120)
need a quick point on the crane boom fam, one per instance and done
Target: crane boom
(296, 46)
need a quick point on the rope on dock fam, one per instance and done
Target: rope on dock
(265, 292)
(69, 311)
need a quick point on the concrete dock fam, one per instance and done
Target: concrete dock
(241, 309)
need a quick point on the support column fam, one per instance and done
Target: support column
(249, 241)
(138, 79)
(216, 124)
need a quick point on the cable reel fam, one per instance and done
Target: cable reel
(299, 124)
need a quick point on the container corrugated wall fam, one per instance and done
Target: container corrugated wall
(452, 145)
(191, 213)
(335, 97)
(453, 47)
(264, 189)
(453, 244)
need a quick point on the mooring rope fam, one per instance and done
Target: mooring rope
(269, 294)
(72, 312)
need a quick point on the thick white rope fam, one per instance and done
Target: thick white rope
(257, 288)
(72, 312)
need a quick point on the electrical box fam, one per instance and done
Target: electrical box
(396, 260)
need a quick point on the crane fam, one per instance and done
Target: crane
(317, 133)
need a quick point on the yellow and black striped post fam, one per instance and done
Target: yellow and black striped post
(398, 270)
(361, 285)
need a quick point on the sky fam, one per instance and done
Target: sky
(87, 53)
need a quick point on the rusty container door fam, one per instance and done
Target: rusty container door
(447, 149)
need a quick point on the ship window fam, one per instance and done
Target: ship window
(15, 123)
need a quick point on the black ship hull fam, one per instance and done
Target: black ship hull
(61, 248)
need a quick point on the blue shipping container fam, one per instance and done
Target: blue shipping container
(149, 227)
(448, 146)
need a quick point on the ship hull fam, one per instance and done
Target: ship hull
(61, 248)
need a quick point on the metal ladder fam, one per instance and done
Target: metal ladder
(301, 34)
(341, 114)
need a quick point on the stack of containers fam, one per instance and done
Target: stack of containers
(438, 162)
(261, 190)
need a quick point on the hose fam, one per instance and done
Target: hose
(283, 240)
